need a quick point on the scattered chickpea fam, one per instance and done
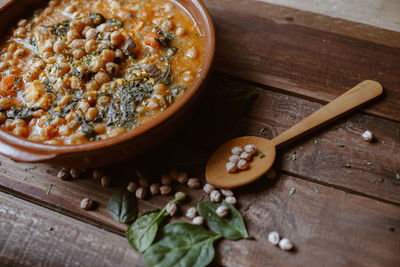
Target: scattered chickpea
(87, 203)
(208, 188)
(191, 213)
(368, 136)
(226, 192)
(237, 150)
(222, 211)
(250, 149)
(141, 193)
(215, 196)
(105, 181)
(234, 158)
(198, 220)
(75, 173)
(242, 164)
(165, 189)
(274, 238)
(231, 200)
(165, 179)
(246, 156)
(131, 187)
(63, 174)
(154, 189)
(230, 167)
(143, 182)
(193, 183)
(285, 244)
(171, 208)
(182, 177)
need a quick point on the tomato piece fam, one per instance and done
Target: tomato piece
(10, 84)
(150, 40)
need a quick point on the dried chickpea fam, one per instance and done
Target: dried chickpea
(166, 179)
(63, 174)
(165, 189)
(141, 193)
(87, 204)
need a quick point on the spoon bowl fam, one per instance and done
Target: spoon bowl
(218, 176)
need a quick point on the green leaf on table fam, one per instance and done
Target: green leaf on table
(182, 244)
(123, 206)
(231, 226)
(143, 231)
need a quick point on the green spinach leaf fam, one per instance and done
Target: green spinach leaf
(143, 231)
(123, 206)
(182, 244)
(231, 227)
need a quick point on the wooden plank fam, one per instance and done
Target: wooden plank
(303, 61)
(379, 13)
(35, 236)
(328, 228)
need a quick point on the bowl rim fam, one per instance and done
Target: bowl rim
(21, 144)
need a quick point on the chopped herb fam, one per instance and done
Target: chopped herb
(347, 165)
(292, 191)
(349, 171)
(262, 131)
(369, 163)
(49, 228)
(315, 141)
(17, 80)
(48, 189)
(339, 144)
(397, 176)
(30, 168)
(24, 178)
(380, 180)
(316, 190)
(227, 248)
(292, 117)
(293, 156)
(261, 155)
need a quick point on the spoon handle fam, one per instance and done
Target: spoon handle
(360, 94)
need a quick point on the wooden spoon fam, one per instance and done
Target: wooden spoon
(216, 173)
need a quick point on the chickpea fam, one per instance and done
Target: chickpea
(6, 103)
(5, 64)
(53, 142)
(20, 32)
(117, 38)
(85, 30)
(49, 132)
(7, 55)
(22, 23)
(35, 138)
(100, 128)
(83, 106)
(167, 7)
(97, 64)
(77, 25)
(160, 89)
(61, 84)
(92, 85)
(119, 54)
(57, 121)
(91, 113)
(63, 68)
(102, 77)
(47, 11)
(187, 76)
(70, 117)
(72, 35)
(59, 46)
(77, 43)
(3, 118)
(70, 9)
(117, 131)
(180, 31)
(105, 27)
(64, 100)
(103, 100)
(166, 25)
(91, 34)
(191, 53)
(112, 68)
(108, 55)
(65, 130)
(90, 46)
(78, 53)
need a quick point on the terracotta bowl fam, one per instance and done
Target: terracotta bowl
(124, 146)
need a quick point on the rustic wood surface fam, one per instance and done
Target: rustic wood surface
(273, 68)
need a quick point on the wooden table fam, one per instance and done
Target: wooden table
(273, 66)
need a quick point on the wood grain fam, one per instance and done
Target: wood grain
(302, 61)
(35, 236)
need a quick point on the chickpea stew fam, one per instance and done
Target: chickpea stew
(85, 70)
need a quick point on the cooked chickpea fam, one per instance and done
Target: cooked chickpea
(90, 46)
(77, 43)
(97, 64)
(21, 131)
(166, 25)
(72, 35)
(20, 32)
(35, 138)
(117, 131)
(112, 68)
(83, 106)
(91, 34)
(77, 25)
(85, 30)
(3, 118)
(105, 27)
(6, 103)
(49, 132)
(102, 77)
(91, 113)
(78, 53)
(191, 53)
(63, 68)
(160, 89)
(187, 76)
(180, 31)
(59, 46)
(57, 121)
(103, 100)
(117, 38)
(70, 117)
(100, 128)
(70, 9)
(108, 55)
(48, 46)
(64, 100)
(22, 22)
(65, 130)
(92, 85)
(5, 64)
